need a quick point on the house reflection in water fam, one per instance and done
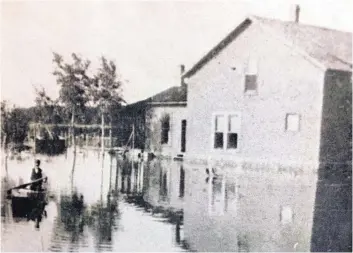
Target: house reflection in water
(238, 211)
(230, 207)
(165, 184)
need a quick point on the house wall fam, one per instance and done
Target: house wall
(336, 127)
(153, 129)
(288, 83)
(272, 168)
(332, 229)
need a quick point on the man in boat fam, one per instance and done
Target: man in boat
(36, 174)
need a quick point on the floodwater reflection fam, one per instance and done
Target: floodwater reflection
(87, 211)
(116, 204)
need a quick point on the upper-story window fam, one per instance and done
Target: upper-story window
(251, 76)
(219, 131)
(292, 122)
(165, 129)
(226, 131)
(233, 129)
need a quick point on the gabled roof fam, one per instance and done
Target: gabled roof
(176, 94)
(331, 48)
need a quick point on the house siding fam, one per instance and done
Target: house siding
(272, 168)
(288, 83)
(153, 122)
(332, 229)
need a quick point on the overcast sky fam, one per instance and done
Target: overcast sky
(148, 40)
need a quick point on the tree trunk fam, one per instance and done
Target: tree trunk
(4, 137)
(73, 129)
(102, 142)
(111, 135)
(73, 171)
(110, 173)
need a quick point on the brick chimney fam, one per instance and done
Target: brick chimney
(297, 13)
(182, 70)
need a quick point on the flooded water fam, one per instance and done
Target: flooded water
(113, 204)
(109, 221)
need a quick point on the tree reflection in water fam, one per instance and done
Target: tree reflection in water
(75, 218)
(72, 213)
(102, 220)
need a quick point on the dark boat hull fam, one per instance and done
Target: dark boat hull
(27, 203)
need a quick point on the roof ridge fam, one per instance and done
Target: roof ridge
(300, 24)
(285, 33)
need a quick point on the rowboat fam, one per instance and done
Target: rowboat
(26, 202)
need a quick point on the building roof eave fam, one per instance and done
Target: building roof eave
(215, 50)
(272, 32)
(167, 103)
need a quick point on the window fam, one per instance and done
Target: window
(219, 132)
(226, 131)
(286, 215)
(183, 136)
(292, 122)
(182, 182)
(165, 127)
(251, 80)
(233, 126)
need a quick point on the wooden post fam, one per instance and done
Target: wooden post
(87, 136)
(102, 142)
(35, 140)
(110, 136)
(117, 176)
(68, 137)
(133, 179)
(28, 137)
(133, 146)
(110, 173)
(73, 129)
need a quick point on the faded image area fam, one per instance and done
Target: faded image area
(176, 126)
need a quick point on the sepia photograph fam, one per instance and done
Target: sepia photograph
(176, 125)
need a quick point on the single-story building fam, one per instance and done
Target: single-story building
(166, 122)
(159, 122)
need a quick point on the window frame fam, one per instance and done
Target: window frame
(282, 218)
(286, 122)
(253, 72)
(226, 115)
(169, 130)
(249, 91)
(214, 130)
